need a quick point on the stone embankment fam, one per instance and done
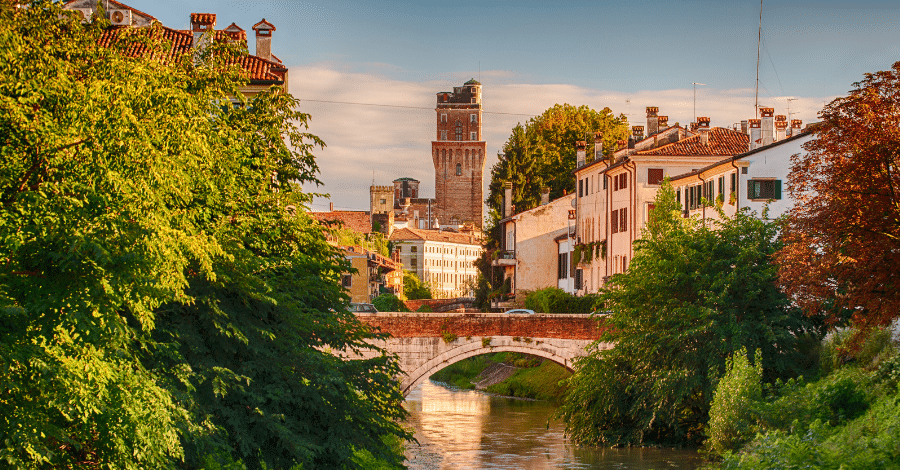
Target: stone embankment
(494, 374)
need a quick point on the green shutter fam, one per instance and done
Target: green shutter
(777, 189)
(750, 185)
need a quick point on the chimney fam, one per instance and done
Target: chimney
(637, 132)
(768, 125)
(236, 34)
(507, 199)
(796, 124)
(330, 207)
(694, 127)
(744, 127)
(545, 195)
(703, 127)
(580, 153)
(652, 120)
(621, 144)
(264, 31)
(754, 133)
(598, 146)
(200, 24)
(780, 127)
(663, 123)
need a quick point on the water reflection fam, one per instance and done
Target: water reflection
(470, 430)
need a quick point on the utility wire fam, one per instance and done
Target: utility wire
(407, 107)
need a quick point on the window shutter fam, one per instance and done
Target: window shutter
(614, 223)
(580, 187)
(777, 190)
(623, 219)
(654, 175)
(615, 183)
(678, 195)
(751, 185)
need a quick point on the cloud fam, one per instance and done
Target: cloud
(379, 129)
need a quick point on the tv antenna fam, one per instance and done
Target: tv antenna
(789, 108)
(695, 98)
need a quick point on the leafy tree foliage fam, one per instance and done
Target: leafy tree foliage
(556, 300)
(843, 239)
(159, 303)
(693, 295)
(414, 288)
(542, 153)
(389, 303)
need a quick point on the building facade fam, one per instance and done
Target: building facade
(458, 153)
(615, 195)
(443, 259)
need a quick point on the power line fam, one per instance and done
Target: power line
(407, 107)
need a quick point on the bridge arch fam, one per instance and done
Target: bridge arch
(474, 347)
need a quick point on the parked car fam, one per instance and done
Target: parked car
(363, 308)
(521, 311)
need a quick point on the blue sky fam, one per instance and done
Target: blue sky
(532, 54)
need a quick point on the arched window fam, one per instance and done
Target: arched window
(458, 169)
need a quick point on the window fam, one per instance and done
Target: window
(764, 189)
(562, 265)
(383, 201)
(624, 183)
(604, 181)
(580, 187)
(654, 176)
(614, 223)
(443, 135)
(473, 136)
(722, 188)
(473, 118)
(414, 249)
(623, 219)
(346, 280)
(413, 263)
(678, 195)
(458, 169)
(624, 262)
(443, 118)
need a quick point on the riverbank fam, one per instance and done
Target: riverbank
(508, 374)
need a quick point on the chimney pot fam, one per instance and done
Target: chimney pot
(637, 132)
(580, 147)
(264, 31)
(652, 120)
(598, 146)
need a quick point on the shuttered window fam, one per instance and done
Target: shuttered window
(623, 220)
(614, 223)
(654, 175)
(722, 186)
(764, 189)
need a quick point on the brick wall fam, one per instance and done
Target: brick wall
(429, 325)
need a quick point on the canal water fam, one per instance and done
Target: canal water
(464, 429)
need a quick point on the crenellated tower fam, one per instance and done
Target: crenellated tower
(458, 155)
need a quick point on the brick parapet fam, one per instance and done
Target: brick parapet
(430, 325)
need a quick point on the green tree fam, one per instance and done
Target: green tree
(389, 303)
(414, 288)
(542, 154)
(158, 301)
(693, 295)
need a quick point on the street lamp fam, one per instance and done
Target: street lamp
(695, 98)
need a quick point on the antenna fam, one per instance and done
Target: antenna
(695, 98)
(789, 108)
(758, 41)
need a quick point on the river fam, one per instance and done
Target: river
(463, 429)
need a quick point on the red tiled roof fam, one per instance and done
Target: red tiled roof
(433, 236)
(119, 6)
(257, 68)
(357, 221)
(203, 18)
(722, 142)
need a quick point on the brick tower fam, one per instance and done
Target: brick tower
(458, 155)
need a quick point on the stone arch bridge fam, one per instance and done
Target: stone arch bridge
(427, 342)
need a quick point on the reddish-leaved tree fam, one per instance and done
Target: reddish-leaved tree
(842, 257)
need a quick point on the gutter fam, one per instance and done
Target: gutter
(632, 196)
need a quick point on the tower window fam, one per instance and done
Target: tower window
(458, 169)
(443, 118)
(443, 135)
(473, 118)
(473, 136)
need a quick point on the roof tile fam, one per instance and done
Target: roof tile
(722, 142)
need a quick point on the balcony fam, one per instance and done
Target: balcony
(504, 258)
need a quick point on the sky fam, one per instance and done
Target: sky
(367, 72)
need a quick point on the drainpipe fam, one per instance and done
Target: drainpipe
(607, 229)
(737, 187)
(632, 196)
(702, 190)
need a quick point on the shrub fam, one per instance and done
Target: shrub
(732, 421)
(556, 300)
(389, 303)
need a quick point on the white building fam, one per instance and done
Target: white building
(529, 244)
(443, 259)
